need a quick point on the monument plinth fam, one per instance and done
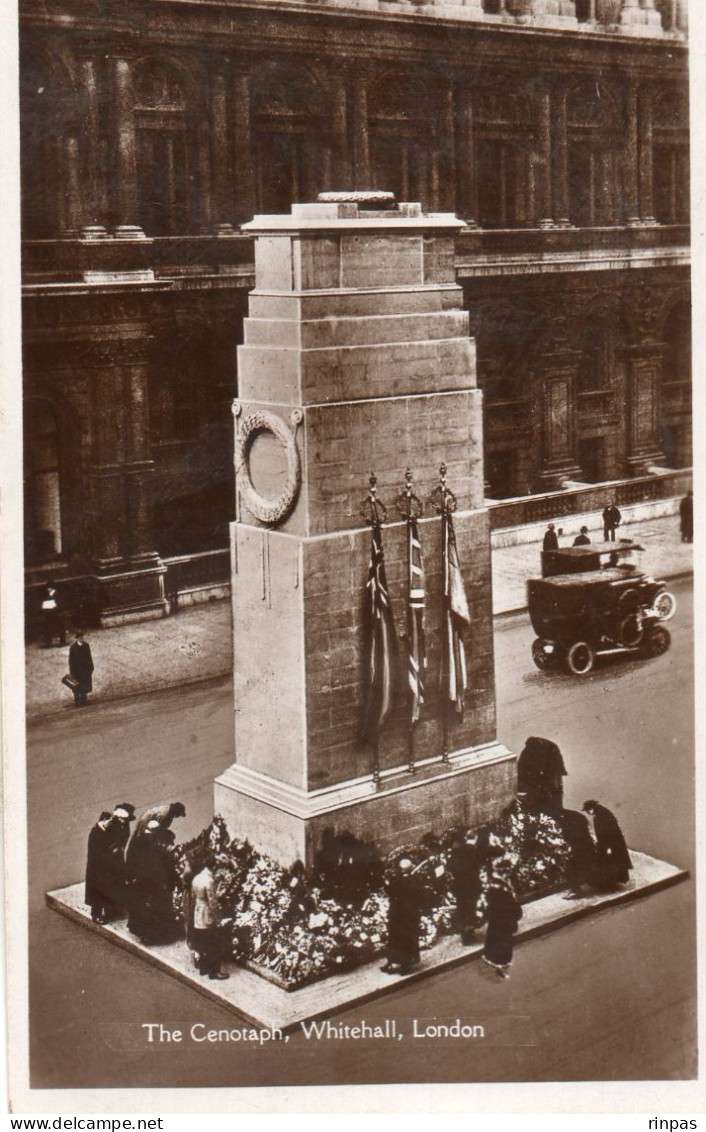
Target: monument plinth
(356, 359)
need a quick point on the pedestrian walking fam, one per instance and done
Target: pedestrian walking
(81, 668)
(404, 891)
(582, 539)
(613, 863)
(465, 862)
(551, 539)
(611, 521)
(540, 775)
(207, 931)
(686, 517)
(52, 618)
(503, 915)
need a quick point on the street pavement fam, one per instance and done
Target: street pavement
(610, 998)
(196, 644)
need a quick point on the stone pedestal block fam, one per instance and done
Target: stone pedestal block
(356, 359)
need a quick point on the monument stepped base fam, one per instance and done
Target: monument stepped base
(260, 1002)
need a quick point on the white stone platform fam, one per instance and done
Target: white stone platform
(263, 1003)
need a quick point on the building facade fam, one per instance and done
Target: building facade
(557, 130)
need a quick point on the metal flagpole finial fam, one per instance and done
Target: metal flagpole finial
(443, 499)
(409, 505)
(373, 509)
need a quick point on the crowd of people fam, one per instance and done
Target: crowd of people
(136, 876)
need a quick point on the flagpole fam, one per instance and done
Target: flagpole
(371, 509)
(444, 503)
(410, 507)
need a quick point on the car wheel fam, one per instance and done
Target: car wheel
(631, 631)
(665, 606)
(580, 658)
(656, 642)
(544, 654)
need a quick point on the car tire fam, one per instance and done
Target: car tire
(631, 631)
(580, 658)
(544, 662)
(665, 605)
(656, 641)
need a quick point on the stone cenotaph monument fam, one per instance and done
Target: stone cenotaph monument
(356, 360)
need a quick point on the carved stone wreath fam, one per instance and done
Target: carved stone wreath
(269, 511)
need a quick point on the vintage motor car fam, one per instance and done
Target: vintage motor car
(595, 599)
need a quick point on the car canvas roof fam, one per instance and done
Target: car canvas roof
(599, 548)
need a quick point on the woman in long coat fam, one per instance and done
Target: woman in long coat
(465, 864)
(613, 859)
(403, 919)
(151, 882)
(503, 915)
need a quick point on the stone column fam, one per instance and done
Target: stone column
(466, 164)
(448, 180)
(345, 382)
(221, 177)
(125, 188)
(244, 156)
(646, 147)
(361, 143)
(72, 180)
(630, 154)
(561, 161)
(544, 161)
(341, 163)
(94, 204)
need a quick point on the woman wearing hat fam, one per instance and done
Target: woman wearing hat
(403, 919)
(503, 915)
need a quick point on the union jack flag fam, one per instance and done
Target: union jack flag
(456, 620)
(416, 598)
(380, 645)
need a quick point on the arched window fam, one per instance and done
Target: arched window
(505, 141)
(293, 155)
(163, 169)
(47, 112)
(407, 139)
(593, 158)
(42, 483)
(671, 156)
(179, 384)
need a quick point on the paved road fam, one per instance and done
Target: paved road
(610, 998)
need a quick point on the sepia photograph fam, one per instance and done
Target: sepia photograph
(358, 527)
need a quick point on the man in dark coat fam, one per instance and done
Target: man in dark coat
(686, 517)
(611, 521)
(582, 539)
(164, 814)
(540, 775)
(81, 668)
(98, 867)
(613, 862)
(105, 863)
(551, 540)
(465, 862)
(582, 865)
(403, 919)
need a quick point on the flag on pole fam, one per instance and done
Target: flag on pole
(416, 598)
(380, 644)
(457, 619)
